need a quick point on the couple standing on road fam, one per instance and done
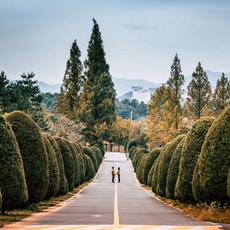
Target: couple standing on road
(113, 174)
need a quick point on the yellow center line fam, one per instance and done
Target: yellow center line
(116, 213)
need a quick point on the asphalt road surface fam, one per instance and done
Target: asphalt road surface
(107, 205)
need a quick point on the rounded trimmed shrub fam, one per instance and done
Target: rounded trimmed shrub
(132, 151)
(212, 168)
(0, 198)
(173, 170)
(63, 183)
(101, 147)
(89, 152)
(73, 150)
(141, 167)
(98, 154)
(131, 144)
(33, 152)
(228, 184)
(81, 157)
(148, 170)
(12, 176)
(90, 169)
(54, 177)
(68, 162)
(189, 156)
(164, 161)
(138, 154)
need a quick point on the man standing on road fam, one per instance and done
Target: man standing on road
(113, 174)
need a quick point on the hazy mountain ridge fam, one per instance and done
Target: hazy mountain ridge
(123, 85)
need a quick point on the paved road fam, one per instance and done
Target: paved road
(107, 205)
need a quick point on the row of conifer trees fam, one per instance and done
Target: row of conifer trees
(192, 168)
(35, 166)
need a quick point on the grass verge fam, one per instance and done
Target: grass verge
(213, 212)
(19, 214)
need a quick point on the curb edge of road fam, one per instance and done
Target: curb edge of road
(152, 194)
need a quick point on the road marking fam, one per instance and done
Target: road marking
(109, 227)
(116, 213)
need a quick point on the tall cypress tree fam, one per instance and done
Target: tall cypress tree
(221, 96)
(199, 91)
(175, 83)
(3, 92)
(98, 95)
(72, 83)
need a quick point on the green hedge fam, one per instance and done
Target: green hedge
(189, 156)
(141, 167)
(33, 154)
(173, 170)
(210, 177)
(0, 198)
(150, 164)
(131, 144)
(68, 162)
(77, 177)
(63, 185)
(164, 161)
(228, 184)
(89, 152)
(98, 153)
(81, 156)
(12, 177)
(90, 169)
(137, 155)
(54, 177)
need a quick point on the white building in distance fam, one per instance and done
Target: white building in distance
(142, 95)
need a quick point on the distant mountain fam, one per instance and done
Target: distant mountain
(123, 85)
(45, 87)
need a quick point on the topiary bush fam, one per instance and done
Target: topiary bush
(0, 198)
(76, 163)
(98, 154)
(90, 169)
(228, 184)
(141, 167)
(101, 147)
(12, 177)
(189, 156)
(164, 161)
(81, 157)
(212, 168)
(63, 183)
(138, 154)
(89, 152)
(173, 170)
(131, 144)
(54, 177)
(132, 151)
(33, 154)
(68, 162)
(147, 173)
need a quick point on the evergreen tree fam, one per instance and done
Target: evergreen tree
(72, 82)
(199, 91)
(98, 95)
(175, 83)
(221, 96)
(3, 92)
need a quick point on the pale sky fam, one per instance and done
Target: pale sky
(141, 37)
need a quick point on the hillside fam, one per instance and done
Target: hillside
(123, 85)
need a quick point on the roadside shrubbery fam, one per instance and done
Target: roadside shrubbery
(35, 166)
(192, 168)
(12, 177)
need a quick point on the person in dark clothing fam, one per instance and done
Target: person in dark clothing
(118, 174)
(113, 174)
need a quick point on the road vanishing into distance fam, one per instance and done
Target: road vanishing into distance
(106, 205)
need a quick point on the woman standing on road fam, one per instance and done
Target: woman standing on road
(118, 174)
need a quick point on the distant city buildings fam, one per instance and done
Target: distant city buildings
(142, 95)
